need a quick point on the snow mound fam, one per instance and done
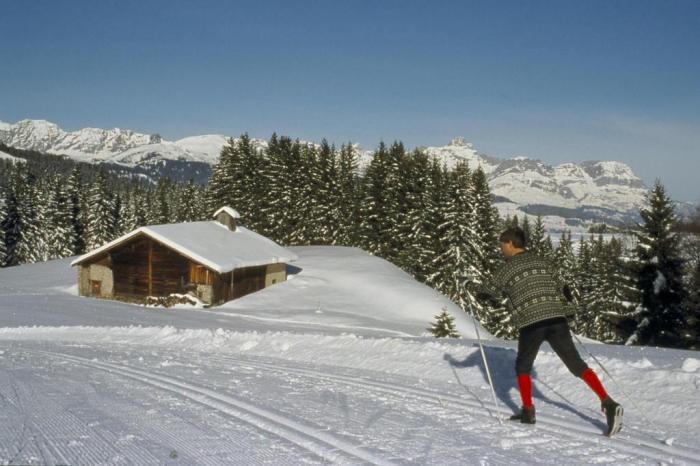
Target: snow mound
(341, 286)
(691, 365)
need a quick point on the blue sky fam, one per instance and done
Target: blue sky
(556, 80)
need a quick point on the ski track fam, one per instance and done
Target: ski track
(323, 444)
(318, 440)
(653, 449)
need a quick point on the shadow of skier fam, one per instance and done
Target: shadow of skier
(501, 363)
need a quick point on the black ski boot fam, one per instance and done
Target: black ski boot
(526, 415)
(613, 413)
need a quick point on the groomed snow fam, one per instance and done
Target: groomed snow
(320, 369)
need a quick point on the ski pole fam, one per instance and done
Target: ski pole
(486, 364)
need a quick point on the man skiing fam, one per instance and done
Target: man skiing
(540, 303)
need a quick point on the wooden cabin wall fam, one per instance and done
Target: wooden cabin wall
(133, 276)
(248, 280)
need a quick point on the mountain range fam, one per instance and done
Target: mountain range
(568, 196)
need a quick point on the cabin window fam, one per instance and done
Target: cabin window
(96, 287)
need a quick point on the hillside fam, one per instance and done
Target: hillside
(324, 368)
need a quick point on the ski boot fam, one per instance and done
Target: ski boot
(525, 416)
(613, 414)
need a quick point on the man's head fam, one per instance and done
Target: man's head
(512, 241)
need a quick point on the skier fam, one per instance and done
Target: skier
(540, 303)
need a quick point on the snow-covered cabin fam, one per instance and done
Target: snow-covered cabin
(217, 260)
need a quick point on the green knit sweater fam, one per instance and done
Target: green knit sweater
(532, 287)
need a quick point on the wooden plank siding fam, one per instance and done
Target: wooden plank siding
(144, 267)
(248, 280)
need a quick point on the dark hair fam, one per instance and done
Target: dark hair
(515, 235)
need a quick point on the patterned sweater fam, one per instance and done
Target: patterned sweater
(532, 287)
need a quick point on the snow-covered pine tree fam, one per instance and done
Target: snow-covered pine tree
(278, 176)
(496, 318)
(604, 298)
(56, 228)
(31, 246)
(349, 197)
(100, 217)
(692, 306)
(537, 237)
(459, 263)
(584, 282)
(660, 319)
(11, 225)
(527, 229)
(163, 200)
(565, 260)
(219, 188)
(487, 220)
(380, 209)
(249, 186)
(302, 163)
(444, 326)
(189, 197)
(439, 195)
(325, 210)
(414, 230)
(75, 202)
(3, 215)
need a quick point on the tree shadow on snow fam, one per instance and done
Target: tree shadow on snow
(502, 363)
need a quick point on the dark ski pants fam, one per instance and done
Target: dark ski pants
(556, 333)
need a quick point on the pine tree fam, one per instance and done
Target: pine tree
(660, 320)
(381, 206)
(565, 259)
(100, 219)
(692, 305)
(75, 201)
(349, 197)
(413, 229)
(537, 236)
(162, 211)
(526, 229)
(221, 182)
(459, 262)
(585, 284)
(444, 326)
(495, 318)
(11, 226)
(31, 246)
(3, 216)
(56, 229)
(604, 297)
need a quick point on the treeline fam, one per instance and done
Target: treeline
(50, 213)
(436, 223)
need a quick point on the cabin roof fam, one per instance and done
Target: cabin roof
(233, 213)
(208, 243)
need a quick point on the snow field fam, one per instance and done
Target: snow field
(276, 378)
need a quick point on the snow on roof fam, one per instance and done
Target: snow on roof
(232, 212)
(210, 244)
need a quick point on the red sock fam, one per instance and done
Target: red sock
(593, 381)
(525, 385)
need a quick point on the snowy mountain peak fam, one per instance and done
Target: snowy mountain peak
(461, 142)
(521, 183)
(87, 143)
